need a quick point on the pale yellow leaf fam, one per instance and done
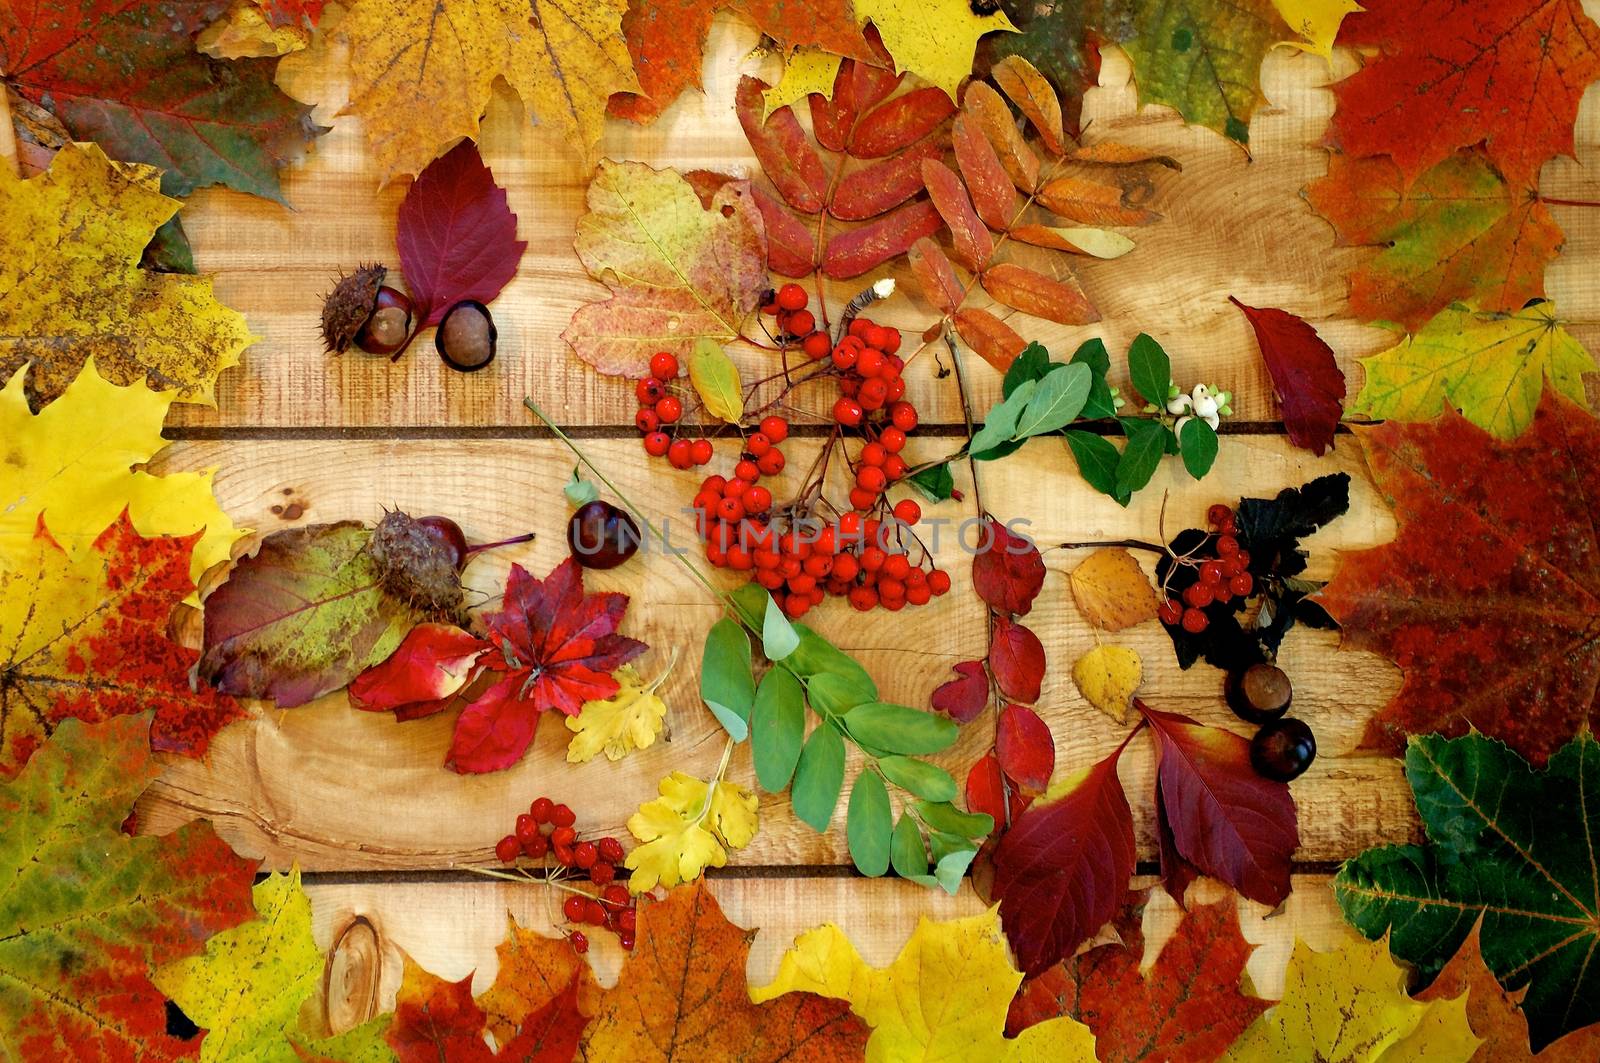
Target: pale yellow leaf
(716, 380)
(1108, 677)
(681, 836)
(1316, 21)
(245, 33)
(806, 71)
(630, 719)
(1111, 589)
(933, 39)
(1075, 239)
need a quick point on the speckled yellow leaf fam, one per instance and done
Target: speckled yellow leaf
(1108, 677)
(933, 39)
(630, 719)
(1350, 1006)
(1491, 366)
(245, 33)
(1316, 21)
(71, 462)
(421, 71)
(71, 287)
(1111, 589)
(680, 836)
(806, 71)
(944, 997)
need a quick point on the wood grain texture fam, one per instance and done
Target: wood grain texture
(280, 785)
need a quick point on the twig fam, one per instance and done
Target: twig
(8, 136)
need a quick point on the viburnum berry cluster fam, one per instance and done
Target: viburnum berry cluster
(806, 548)
(549, 828)
(1221, 567)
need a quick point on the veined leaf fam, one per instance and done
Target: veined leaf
(716, 380)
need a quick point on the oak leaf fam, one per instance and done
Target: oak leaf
(440, 58)
(934, 39)
(71, 289)
(86, 638)
(1506, 844)
(629, 719)
(678, 272)
(1108, 677)
(1454, 73)
(1491, 366)
(1457, 232)
(1187, 1008)
(89, 909)
(127, 75)
(944, 997)
(1306, 378)
(688, 828)
(1489, 591)
(682, 997)
(71, 463)
(1111, 590)
(1350, 1006)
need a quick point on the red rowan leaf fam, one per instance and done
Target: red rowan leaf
(868, 246)
(857, 88)
(1061, 301)
(992, 193)
(993, 117)
(1489, 591)
(995, 341)
(871, 190)
(1111, 153)
(433, 665)
(1062, 869)
(1024, 747)
(787, 158)
(964, 697)
(1226, 819)
(900, 122)
(1016, 657)
(933, 271)
(791, 243)
(1305, 377)
(1093, 203)
(972, 243)
(1008, 572)
(456, 235)
(1034, 97)
(1454, 73)
(1188, 1008)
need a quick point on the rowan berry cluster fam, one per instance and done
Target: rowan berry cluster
(1223, 574)
(549, 829)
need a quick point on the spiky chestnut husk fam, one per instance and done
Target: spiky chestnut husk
(347, 307)
(418, 565)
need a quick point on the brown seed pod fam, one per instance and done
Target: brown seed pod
(418, 565)
(346, 309)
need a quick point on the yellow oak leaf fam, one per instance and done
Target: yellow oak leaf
(421, 71)
(944, 997)
(71, 462)
(630, 719)
(1111, 590)
(1108, 677)
(682, 835)
(805, 71)
(933, 39)
(1316, 21)
(1350, 1006)
(71, 287)
(1491, 366)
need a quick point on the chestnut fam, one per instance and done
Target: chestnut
(466, 336)
(389, 325)
(1258, 694)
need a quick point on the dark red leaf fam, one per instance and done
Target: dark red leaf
(791, 243)
(1016, 656)
(456, 235)
(1008, 572)
(969, 236)
(871, 190)
(868, 246)
(432, 665)
(904, 120)
(1026, 750)
(964, 697)
(787, 158)
(857, 87)
(993, 194)
(1061, 301)
(1306, 378)
(933, 271)
(1176, 872)
(1062, 869)
(1227, 820)
(989, 792)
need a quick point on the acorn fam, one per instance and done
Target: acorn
(466, 336)
(362, 311)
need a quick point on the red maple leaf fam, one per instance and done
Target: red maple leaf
(439, 1020)
(1488, 595)
(1453, 73)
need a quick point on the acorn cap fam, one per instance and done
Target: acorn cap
(347, 307)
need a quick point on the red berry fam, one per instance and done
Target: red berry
(859, 327)
(870, 363)
(646, 420)
(757, 499)
(792, 297)
(817, 346)
(906, 511)
(895, 566)
(600, 874)
(845, 567)
(1231, 566)
(627, 920)
(615, 895)
(1217, 514)
(757, 445)
(862, 499)
(1211, 573)
(1227, 545)
(863, 598)
(610, 849)
(1229, 526)
(700, 451)
(848, 412)
(919, 594)
(1171, 611)
(845, 356)
(594, 912)
(669, 409)
(626, 941)
(564, 835)
(535, 847)
(731, 510)
(874, 454)
(649, 391)
(657, 444)
(1199, 595)
(904, 416)
(541, 809)
(877, 336)
(871, 478)
(897, 389)
(1195, 621)
(771, 463)
(801, 323)
(574, 907)
(891, 341)
(585, 854)
(527, 827)
(1241, 584)
(580, 943)
(663, 366)
(507, 849)
(562, 816)
(874, 393)
(895, 467)
(892, 439)
(775, 428)
(679, 454)
(747, 471)
(939, 580)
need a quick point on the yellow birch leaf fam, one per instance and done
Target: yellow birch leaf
(1108, 677)
(716, 380)
(421, 71)
(630, 719)
(71, 288)
(1111, 590)
(71, 462)
(681, 836)
(1316, 21)
(1350, 1006)
(933, 39)
(944, 997)
(805, 71)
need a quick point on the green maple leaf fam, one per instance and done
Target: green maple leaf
(1507, 844)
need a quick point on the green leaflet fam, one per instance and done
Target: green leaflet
(816, 656)
(716, 379)
(1092, 353)
(1001, 424)
(778, 636)
(777, 728)
(869, 824)
(927, 781)
(906, 851)
(818, 778)
(1032, 364)
(1056, 402)
(900, 728)
(1097, 459)
(1506, 843)
(1150, 369)
(943, 816)
(937, 483)
(727, 683)
(1198, 445)
(1147, 441)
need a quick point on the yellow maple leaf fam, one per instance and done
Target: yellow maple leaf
(934, 39)
(71, 462)
(1111, 589)
(421, 71)
(682, 835)
(71, 287)
(630, 719)
(944, 997)
(245, 33)
(1108, 677)
(1316, 21)
(1350, 1006)
(805, 71)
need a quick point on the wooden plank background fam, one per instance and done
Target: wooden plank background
(364, 805)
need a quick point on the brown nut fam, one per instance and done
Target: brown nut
(466, 336)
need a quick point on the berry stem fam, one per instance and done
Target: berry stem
(1132, 544)
(1552, 201)
(514, 540)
